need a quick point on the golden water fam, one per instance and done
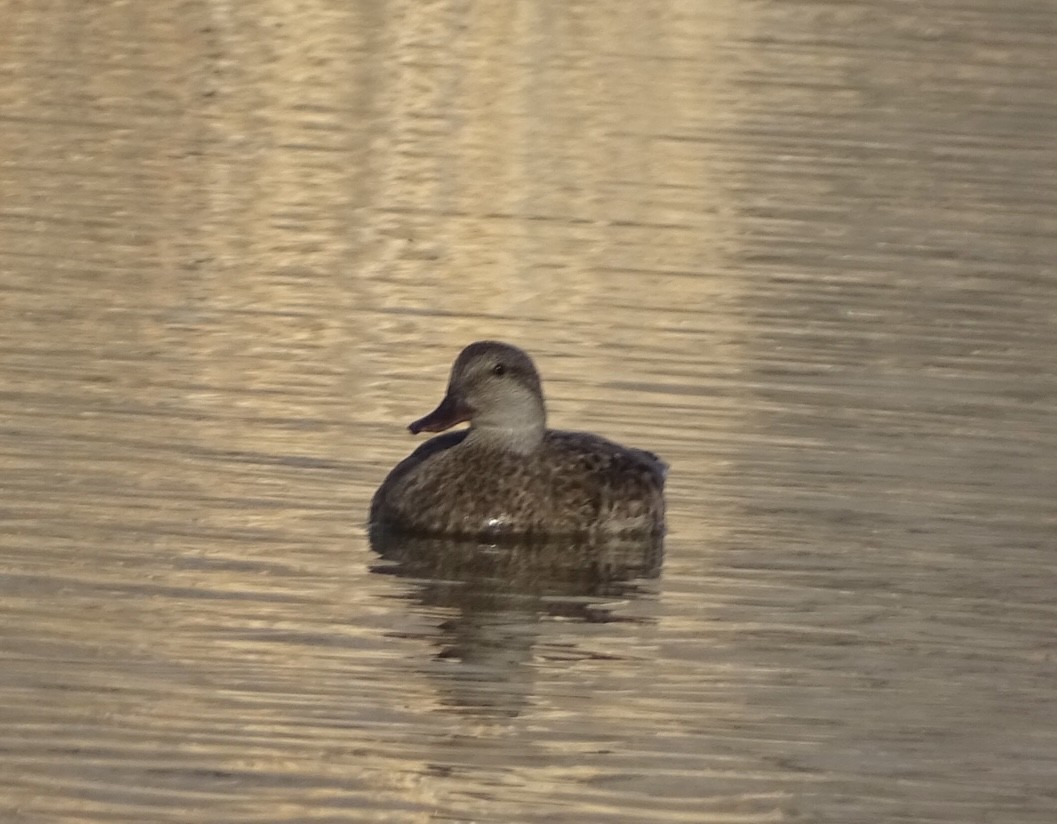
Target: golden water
(805, 251)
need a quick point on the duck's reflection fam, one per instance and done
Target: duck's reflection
(495, 596)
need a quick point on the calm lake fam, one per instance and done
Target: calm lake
(805, 251)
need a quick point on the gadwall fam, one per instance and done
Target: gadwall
(507, 474)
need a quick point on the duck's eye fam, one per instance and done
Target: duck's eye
(499, 370)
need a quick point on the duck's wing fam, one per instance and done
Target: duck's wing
(653, 458)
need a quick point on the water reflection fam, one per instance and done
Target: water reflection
(496, 595)
(803, 250)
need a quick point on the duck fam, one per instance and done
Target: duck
(507, 474)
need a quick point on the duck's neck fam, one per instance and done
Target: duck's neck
(520, 439)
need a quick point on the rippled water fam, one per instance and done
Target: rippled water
(805, 251)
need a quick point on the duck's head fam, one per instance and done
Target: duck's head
(494, 386)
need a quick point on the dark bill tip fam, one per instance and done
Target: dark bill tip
(445, 416)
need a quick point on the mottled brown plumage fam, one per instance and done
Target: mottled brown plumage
(508, 475)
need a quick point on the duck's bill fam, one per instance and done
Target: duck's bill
(445, 416)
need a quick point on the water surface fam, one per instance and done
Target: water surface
(805, 251)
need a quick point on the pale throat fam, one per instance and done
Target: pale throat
(520, 433)
(522, 439)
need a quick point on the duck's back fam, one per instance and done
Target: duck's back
(574, 483)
